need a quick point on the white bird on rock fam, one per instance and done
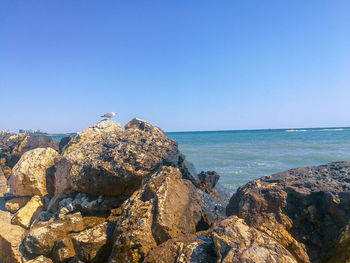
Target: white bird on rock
(108, 115)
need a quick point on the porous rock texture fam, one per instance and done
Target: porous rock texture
(13, 146)
(189, 248)
(236, 242)
(30, 174)
(307, 210)
(107, 160)
(166, 207)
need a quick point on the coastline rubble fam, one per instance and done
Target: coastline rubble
(129, 195)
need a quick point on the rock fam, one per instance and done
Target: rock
(16, 203)
(209, 179)
(29, 174)
(40, 259)
(237, 242)
(63, 250)
(105, 160)
(166, 207)
(94, 244)
(26, 215)
(13, 146)
(42, 237)
(3, 184)
(11, 237)
(63, 142)
(189, 248)
(304, 209)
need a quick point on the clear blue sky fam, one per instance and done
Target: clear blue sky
(182, 65)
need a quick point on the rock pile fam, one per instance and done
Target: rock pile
(128, 195)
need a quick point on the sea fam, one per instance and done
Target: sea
(242, 155)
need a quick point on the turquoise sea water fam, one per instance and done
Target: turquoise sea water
(240, 156)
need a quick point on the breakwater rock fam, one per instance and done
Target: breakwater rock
(114, 194)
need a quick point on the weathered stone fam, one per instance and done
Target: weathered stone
(42, 236)
(63, 250)
(27, 214)
(63, 142)
(11, 237)
(40, 259)
(29, 174)
(94, 244)
(12, 147)
(237, 242)
(3, 184)
(208, 179)
(189, 248)
(166, 207)
(105, 160)
(16, 203)
(304, 209)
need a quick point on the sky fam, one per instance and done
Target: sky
(181, 65)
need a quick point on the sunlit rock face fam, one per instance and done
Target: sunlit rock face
(13, 146)
(166, 207)
(29, 175)
(307, 210)
(107, 160)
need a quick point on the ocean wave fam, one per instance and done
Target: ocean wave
(301, 130)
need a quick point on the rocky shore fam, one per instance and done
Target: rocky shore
(129, 195)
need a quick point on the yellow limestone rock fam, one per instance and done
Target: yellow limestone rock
(29, 174)
(16, 203)
(26, 215)
(11, 237)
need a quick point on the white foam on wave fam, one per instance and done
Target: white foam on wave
(339, 129)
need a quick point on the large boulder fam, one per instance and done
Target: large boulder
(12, 147)
(30, 174)
(107, 160)
(305, 209)
(236, 242)
(166, 207)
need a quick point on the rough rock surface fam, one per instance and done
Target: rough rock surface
(11, 237)
(105, 160)
(304, 209)
(30, 173)
(94, 244)
(3, 184)
(166, 207)
(63, 250)
(209, 179)
(42, 237)
(28, 213)
(63, 142)
(40, 259)
(16, 203)
(190, 248)
(236, 242)
(13, 146)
